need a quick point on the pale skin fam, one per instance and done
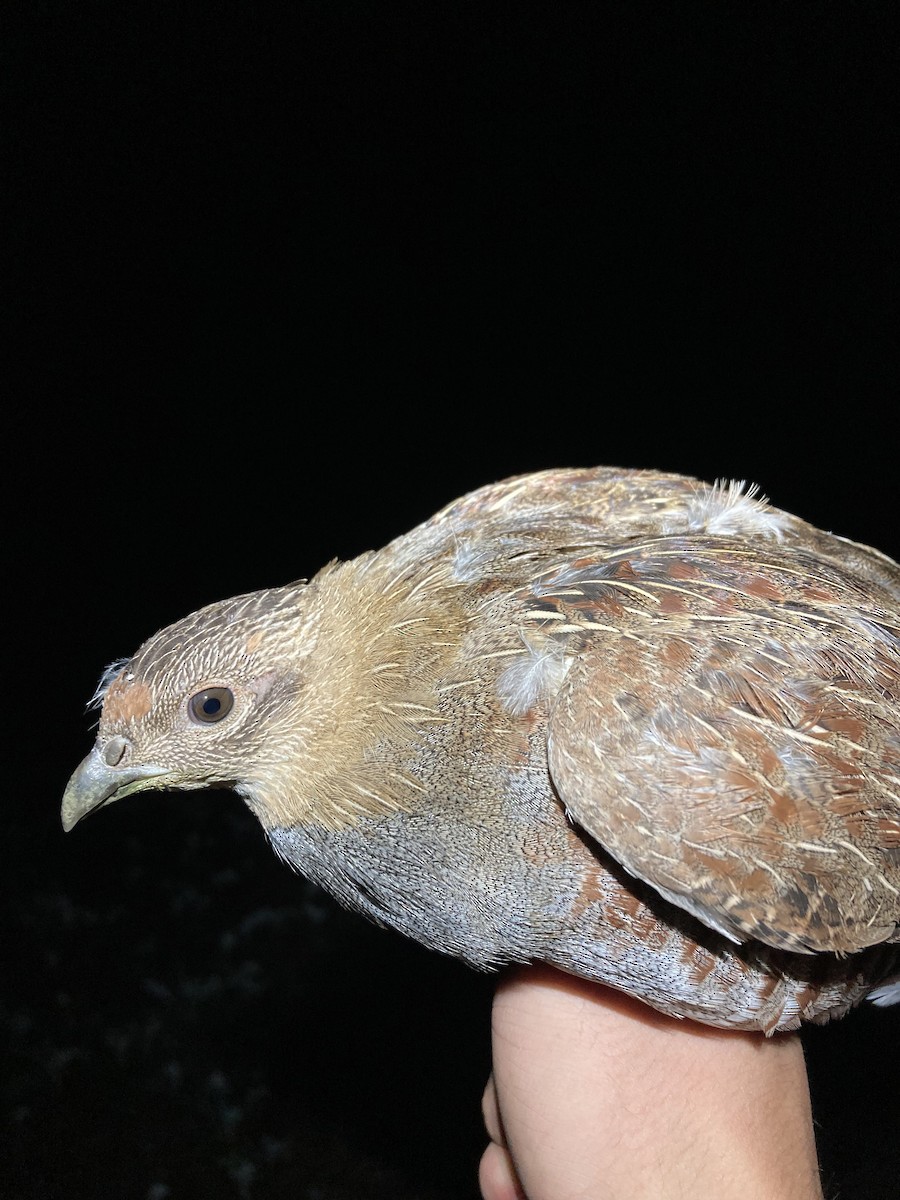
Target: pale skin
(595, 1096)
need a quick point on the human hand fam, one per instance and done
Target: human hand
(596, 1095)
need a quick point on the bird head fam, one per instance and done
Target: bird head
(203, 703)
(298, 698)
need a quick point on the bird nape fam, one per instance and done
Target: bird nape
(626, 723)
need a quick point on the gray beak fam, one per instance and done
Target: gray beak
(98, 781)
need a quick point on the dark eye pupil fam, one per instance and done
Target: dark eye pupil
(210, 705)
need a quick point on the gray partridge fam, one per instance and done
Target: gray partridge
(626, 723)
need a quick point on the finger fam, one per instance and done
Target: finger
(497, 1177)
(491, 1113)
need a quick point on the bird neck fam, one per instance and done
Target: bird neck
(375, 638)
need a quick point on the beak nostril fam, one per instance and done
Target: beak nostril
(114, 751)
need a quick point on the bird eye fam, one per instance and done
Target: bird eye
(210, 705)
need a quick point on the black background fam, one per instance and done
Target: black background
(281, 281)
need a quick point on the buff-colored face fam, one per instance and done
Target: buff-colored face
(196, 707)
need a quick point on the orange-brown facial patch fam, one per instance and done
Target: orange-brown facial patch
(126, 701)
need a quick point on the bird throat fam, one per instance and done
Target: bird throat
(384, 636)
